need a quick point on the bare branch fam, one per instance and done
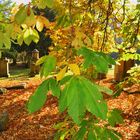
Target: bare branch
(109, 11)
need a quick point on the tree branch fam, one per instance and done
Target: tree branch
(124, 13)
(106, 24)
(137, 31)
(6, 22)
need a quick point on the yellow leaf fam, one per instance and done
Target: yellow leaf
(61, 74)
(45, 21)
(78, 40)
(61, 63)
(75, 69)
(77, 43)
(39, 25)
(31, 19)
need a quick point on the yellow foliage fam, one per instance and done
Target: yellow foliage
(42, 22)
(78, 40)
(61, 74)
(39, 25)
(45, 21)
(75, 69)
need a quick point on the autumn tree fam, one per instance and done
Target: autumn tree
(83, 33)
(5, 13)
(45, 40)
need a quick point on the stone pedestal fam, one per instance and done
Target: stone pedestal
(4, 67)
(33, 68)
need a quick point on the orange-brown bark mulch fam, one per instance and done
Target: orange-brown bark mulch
(39, 126)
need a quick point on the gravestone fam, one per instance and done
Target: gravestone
(33, 68)
(4, 67)
(4, 118)
(3, 90)
(19, 86)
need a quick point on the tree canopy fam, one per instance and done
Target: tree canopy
(112, 25)
(83, 33)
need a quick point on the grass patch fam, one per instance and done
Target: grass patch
(19, 73)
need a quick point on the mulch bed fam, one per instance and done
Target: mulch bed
(39, 126)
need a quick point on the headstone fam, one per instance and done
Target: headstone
(3, 90)
(4, 118)
(4, 67)
(20, 86)
(33, 68)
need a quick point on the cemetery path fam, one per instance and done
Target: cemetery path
(39, 126)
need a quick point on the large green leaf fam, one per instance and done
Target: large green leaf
(91, 135)
(103, 133)
(65, 79)
(54, 87)
(80, 95)
(41, 60)
(94, 99)
(108, 134)
(105, 90)
(48, 66)
(75, 100)
(63, 100)
(114, 135)
(108, 58)
(99, 60)
(100, 63)
(88, 56)
(81, 133)
(6, 41)
(95, 132)
(38, 99)
(114, 117)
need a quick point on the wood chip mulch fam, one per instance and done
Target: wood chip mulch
(39, 126)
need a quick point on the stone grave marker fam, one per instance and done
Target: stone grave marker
(4, 67)
(33, 68)
(4, 118)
